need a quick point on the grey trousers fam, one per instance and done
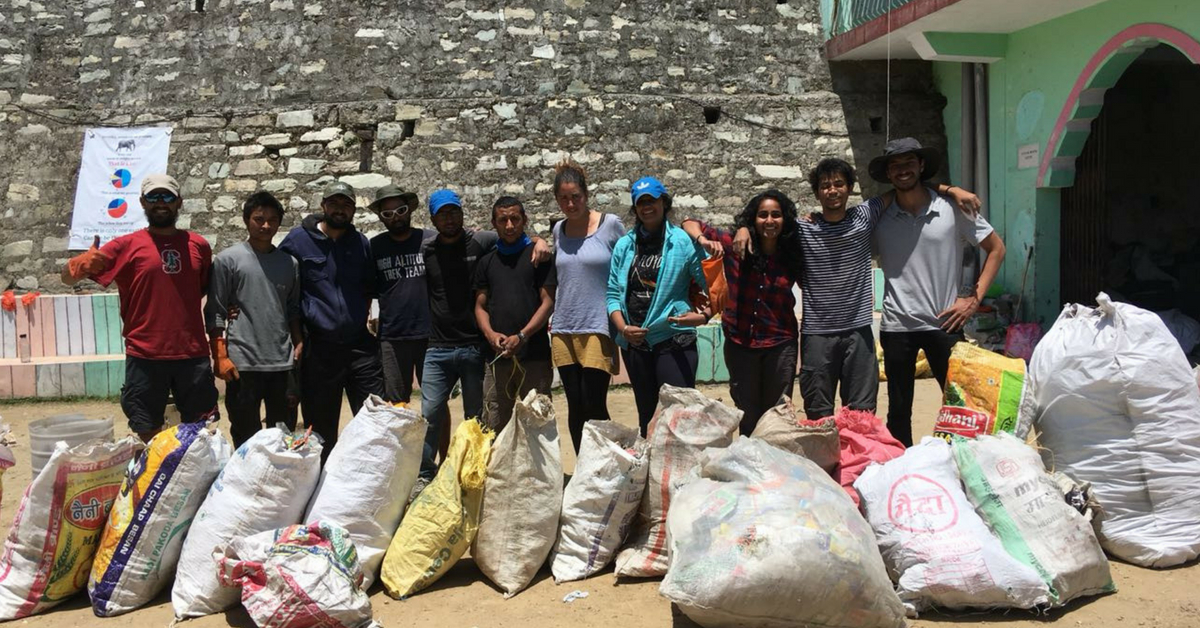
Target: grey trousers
(758, 378)
(503, 385)
(846, 358)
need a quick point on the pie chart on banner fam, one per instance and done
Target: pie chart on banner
(121, 178)
(117, 207)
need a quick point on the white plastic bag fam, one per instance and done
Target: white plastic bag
(938, 550)
(1117, 405)
(601, 499)
(48, 552)
(686, 423)
(1005, 480)
(265, 486)
(522, 497)
(151, 516)
(366, 481)
(766, 538)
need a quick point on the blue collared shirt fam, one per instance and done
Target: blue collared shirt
(337, 281)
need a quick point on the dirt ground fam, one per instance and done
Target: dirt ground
(464, 598)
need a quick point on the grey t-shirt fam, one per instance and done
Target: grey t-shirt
(921, 257)
(266, 289)
(582, 266)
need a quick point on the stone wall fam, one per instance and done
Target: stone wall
(718, 98)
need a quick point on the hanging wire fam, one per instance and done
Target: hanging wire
(887, 136)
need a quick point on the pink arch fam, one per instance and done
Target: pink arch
(1161, 32)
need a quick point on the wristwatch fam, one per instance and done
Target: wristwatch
(521, 336)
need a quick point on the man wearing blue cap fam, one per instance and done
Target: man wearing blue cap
(337, 281)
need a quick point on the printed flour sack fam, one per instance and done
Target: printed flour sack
(1116, 405)
(263, 487)
(938, 550)
(686, 423)
(766, 538)
(601, 499)
(1024, 507)
(368, 476)
(151, 515)
(48, 552)
(521, 498)
(441, 522)
(983, 394)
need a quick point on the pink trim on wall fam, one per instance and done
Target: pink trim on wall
(878, 27)
(1161, 32)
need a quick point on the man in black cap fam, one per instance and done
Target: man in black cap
(337, 280)
(921, 239)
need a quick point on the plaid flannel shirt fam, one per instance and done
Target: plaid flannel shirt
(761, 310)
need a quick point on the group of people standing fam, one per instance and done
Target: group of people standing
(495, 312)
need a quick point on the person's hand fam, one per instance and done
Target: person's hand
(510, 344)
(958, 314)
(298, 351)
(496, 340)
(966, 201)
(690, 319)
(231, 314)
(89, 263)
(541, 251)
(634, 335)
(222, 366)
(714, 249)
(742, 243)
(810, 217)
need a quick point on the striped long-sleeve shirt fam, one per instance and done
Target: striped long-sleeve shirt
(837, 286)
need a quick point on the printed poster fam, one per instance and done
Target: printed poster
(110, 181)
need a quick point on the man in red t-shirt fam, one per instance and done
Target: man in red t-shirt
(161, 274)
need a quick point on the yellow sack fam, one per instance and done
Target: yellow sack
(983, 393)
(441, 522)
(923, 371)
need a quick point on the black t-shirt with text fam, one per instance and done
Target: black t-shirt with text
(400, 280)
(643, 276)
(449, 275)
(514, 288)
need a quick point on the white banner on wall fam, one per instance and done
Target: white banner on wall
(110, 181)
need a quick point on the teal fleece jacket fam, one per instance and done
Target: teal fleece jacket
(680, 268)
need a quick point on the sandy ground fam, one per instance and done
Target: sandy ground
(464, 598)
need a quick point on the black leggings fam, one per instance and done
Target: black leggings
(587, 397)
(666, 363)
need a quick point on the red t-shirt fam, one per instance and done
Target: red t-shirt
(161, 280)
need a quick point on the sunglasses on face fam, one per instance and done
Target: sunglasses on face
(161, 197)
(389, 214)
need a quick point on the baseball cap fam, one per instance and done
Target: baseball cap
(337, 187)
(443, 198)
(394, 191)
(159, 181)
(648, 185)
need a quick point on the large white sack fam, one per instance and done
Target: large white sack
(1116, 405)
(766, 538)
(601, 499)
(522, 497)
(151, 516)
(48, 552)
(1006, 482)
(937, 549)
(264, 486)
(686, 423)
(367, 478)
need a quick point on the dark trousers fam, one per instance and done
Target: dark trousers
(400, 358)
(665, 363)
(845, 358)
(148, 383)
(328, 370)
(245, 396)
(758, 378)
(586, 390)
(900, 364)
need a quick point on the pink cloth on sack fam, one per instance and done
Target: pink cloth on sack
(864, 439)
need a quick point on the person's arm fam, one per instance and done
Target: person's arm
(615, 293)
(966, 201)
(87, 264)
(536, 322)
(698, 232)
(484, 320)
(216, 308)
(297, 339)
(696, 276)
(964, 307)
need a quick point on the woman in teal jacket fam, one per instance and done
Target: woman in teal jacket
(653, 269)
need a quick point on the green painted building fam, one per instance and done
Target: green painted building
(1075, 121)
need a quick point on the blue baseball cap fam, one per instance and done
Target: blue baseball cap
(647, 185)
(443, 198)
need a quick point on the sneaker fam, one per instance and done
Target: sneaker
(417, 488)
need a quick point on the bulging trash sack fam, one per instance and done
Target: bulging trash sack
(601, 499)
(937, 549)
(302, 576)
(686, 423)
(151, 515)
(1116, 405)
(522, 497)
(264, 487)
(368, 476)
(983, 394)
(815, 440)
(49, 550)
(1006, 482)
(6, 455)
(442, 521)
(766, 538)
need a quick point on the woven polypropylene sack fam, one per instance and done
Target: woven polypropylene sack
(815, 440)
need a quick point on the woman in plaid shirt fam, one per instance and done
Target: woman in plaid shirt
(759, 320)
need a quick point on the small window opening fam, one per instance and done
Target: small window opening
(712, 114)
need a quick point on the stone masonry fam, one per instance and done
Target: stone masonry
(720, 99)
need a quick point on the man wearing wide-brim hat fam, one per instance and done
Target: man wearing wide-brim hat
(921, 241)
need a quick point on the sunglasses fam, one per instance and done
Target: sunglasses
(161, 197)
(389, 214)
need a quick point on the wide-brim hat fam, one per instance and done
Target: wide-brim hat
(903, 146)
(394, 191)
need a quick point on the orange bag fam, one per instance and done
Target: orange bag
(718, 290)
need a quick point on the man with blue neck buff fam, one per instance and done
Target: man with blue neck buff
(513, 317)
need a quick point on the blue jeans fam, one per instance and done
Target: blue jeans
(443, 367)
